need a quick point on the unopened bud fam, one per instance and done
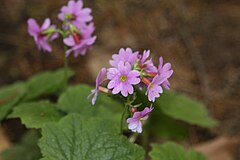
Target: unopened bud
(77, 37)
(146, 81)
(133, 109)
(151, 74)
(104, 90)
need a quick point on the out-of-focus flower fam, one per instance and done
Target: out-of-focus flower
(42, 35)
(79, 43)
(135, 123)
(122, 79)
(165, 69)
(125, 55)
(75, 13)
(99, 80)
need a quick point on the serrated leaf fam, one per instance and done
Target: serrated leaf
(46, 83)
(173, 151)
(36, 114)
(75, 137)
(75, 100)
(26, 150)
(10, 96)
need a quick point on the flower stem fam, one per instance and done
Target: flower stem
(65, 70)
(123, 116)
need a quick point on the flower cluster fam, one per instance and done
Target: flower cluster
(130, 71)
(77, 29)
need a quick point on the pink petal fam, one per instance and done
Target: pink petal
(71, 4)
(79, 5)
(69, 41)
(46, 24)
(45, 45)
(139, 128)
(111, 73)
(117, 89)
(124, 90)
(133, 125)
(33, 27)
(111, 85)
(160, 63)
(121, 66)
(130, 89)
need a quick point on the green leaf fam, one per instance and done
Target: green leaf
(193, 155)
(183, 108)
(10, 96)
(180, 107)
(46, 83)
(173, 151)
(36, 114)
(75, 100)
(166, 127)
(76, 137)
(26, 150)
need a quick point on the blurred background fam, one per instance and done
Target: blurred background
(200, 38)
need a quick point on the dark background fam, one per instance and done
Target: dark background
(200, 38)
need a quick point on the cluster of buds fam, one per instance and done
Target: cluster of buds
(77, 29)
(131, 70)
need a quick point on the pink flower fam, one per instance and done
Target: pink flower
(165, 69)
(125, 55)
(122, 79)
(154, 89)
(79, 43)
(41, 35)
(75, 13)
(135, 123)
(99, 80)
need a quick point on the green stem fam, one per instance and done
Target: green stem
(65, 70)
(123, 116)
(145, 139)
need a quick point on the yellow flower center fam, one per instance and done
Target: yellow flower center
(123, 78)
(151, 86)
(139, 119)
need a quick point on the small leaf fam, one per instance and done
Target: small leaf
(75, 137)
(46, 83)
(173, 151)
(10, 96)
(26, 150)
(36, 114)
(75, 100)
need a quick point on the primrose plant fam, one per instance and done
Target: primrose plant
(130, 71)
(65, 126)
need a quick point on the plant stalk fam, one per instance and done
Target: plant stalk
(123, 116)
(65, 69)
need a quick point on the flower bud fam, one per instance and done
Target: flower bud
(133, 109)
